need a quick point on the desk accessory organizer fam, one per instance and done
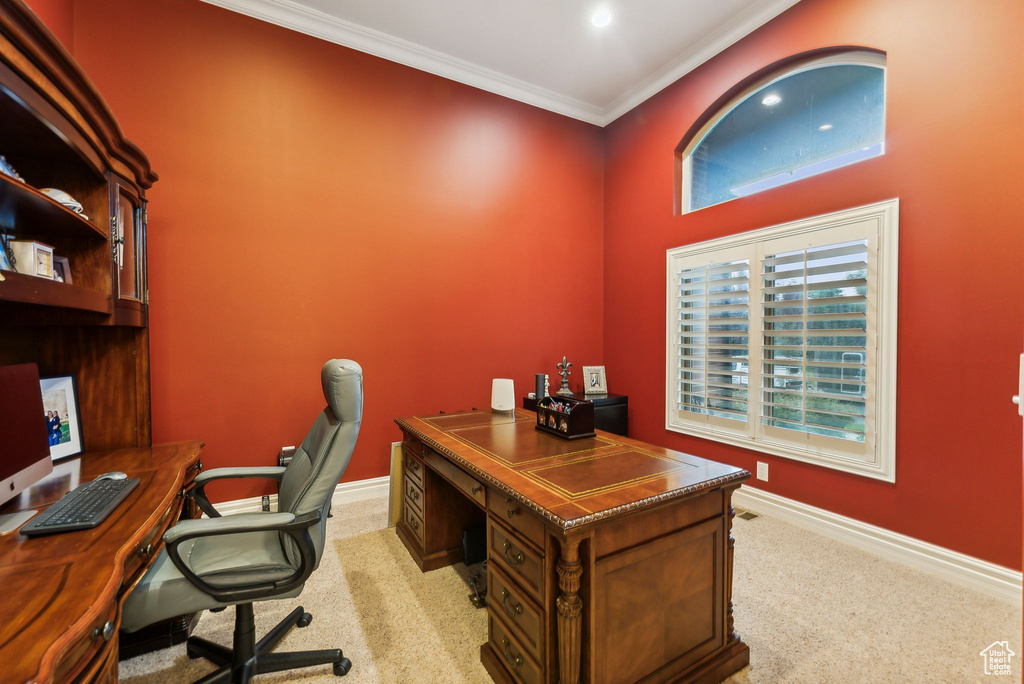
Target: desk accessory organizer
(566, 417)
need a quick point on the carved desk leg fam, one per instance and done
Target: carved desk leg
(570, 612)
(729, 553)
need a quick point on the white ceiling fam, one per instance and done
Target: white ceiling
(543, 52)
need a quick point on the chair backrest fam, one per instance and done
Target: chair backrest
(309, 481)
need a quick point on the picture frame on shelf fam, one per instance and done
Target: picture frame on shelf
(594, 380)
(33, 258)
(62, 270)
(62, 415)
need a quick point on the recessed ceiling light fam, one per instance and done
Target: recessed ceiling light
(825, 127)
(771, 99)
(601, 18)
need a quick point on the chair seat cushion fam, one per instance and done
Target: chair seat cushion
(237, 559)
(223, 561)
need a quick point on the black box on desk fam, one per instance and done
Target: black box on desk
(566, 417)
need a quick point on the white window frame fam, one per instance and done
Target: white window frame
(853, 57)
(876, 456)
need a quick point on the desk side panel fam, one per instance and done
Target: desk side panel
(660, 603)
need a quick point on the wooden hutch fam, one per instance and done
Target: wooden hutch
(57, 132)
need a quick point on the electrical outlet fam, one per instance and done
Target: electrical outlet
(762, 471)
(266, 502)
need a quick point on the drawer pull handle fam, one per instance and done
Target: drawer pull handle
(414, 466)
(513, 661)
(519, 559)
(477, 489)
(106, 631)
(414, 523)
(414, 494)
(513, 612)
(511, 509)
(144, 551)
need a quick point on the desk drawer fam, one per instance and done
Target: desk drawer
(413, 522)
(101, 636)
(518, 560)
(512, 655)
(519, 613)
(458, 477)
(411, 444)
(414, 496)
(136, 563)
(517, 516)
(413, 467)
(103, 668)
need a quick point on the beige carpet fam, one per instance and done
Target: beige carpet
(811, 610)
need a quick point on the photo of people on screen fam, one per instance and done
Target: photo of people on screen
(595, 379)
(55, 403)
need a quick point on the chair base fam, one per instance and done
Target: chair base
(249, 657)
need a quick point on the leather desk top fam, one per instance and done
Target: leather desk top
(571, 483)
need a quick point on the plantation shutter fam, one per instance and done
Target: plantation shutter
(713, 339)
(814, 328)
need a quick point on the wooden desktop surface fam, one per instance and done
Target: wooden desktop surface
(60, 588)
(570, 483)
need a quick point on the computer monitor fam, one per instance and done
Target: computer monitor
(24, 448)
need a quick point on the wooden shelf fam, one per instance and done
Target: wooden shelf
(18, 287)
(22, 205)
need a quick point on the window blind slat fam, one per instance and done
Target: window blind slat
(845, 267)
(792, 407)
(813, 318)
(813, 287)
(829, 253)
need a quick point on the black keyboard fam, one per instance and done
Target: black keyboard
(85, 506)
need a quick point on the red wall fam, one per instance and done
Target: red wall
(317, 202)
(58, 15)
(953, 158)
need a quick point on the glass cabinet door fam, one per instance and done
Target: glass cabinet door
(129, 244)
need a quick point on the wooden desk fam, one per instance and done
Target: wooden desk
(609, 560)
(65, 591)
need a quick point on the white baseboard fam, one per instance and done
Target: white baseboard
(345, 492)
(988, 578)
(359, 490)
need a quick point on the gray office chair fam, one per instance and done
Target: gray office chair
(210, 564)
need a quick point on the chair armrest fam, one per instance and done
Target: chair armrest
(205, 477)
(296, 527)
(232, 524)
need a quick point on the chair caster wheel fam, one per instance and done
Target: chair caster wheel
(304, 620)
(192, 655)
(342, 667)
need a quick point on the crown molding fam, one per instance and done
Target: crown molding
(743, 24)
(297, 17)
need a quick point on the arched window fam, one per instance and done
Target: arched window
(810, 118)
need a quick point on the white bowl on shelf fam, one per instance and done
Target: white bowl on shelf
(64, 198)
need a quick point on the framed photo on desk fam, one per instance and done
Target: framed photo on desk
(63, 419)
(594, 381)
